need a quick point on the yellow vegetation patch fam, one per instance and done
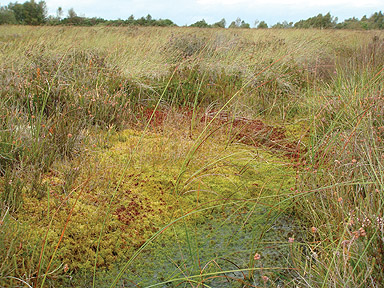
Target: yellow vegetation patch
(138, 185)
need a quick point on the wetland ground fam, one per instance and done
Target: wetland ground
(185, 157)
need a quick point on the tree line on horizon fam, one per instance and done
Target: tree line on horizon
(35, 13)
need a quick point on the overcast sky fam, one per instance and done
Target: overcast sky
(186, 12)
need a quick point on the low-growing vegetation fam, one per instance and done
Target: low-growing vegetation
(182, 157)
(33, 13)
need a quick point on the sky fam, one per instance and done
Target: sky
(186, 12)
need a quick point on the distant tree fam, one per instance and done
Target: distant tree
(130, 20)
(328, 21)
(35, 13)
(244, 25)
(239, 24)
(164, 22)
(29, 13)
(55, 20)
(7, 16)
(18, 11)
(141, 21)
(232, 25)
(377, 19)
(288, 25)
(201, 24)
(149, 20)
(262, 25)
(283, 25)
(351, 23)
(74, 19)
(71, 13)
(59, 13)
(118, 22)
(93, 21)
(319, 21)
(220, 24)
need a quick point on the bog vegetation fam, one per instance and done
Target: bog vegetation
(33, 13)
(186, 157)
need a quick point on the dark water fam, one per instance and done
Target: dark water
(212, 247)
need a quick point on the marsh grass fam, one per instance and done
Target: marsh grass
(145, 122)
(343, 185)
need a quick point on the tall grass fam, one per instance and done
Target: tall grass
(342, 180)
(68, 94)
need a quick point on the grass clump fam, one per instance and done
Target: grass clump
(193, 86)
(342, 182)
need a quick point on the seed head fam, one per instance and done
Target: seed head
(257, 256)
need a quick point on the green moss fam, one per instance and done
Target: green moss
(225, 186)
(241, 178)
